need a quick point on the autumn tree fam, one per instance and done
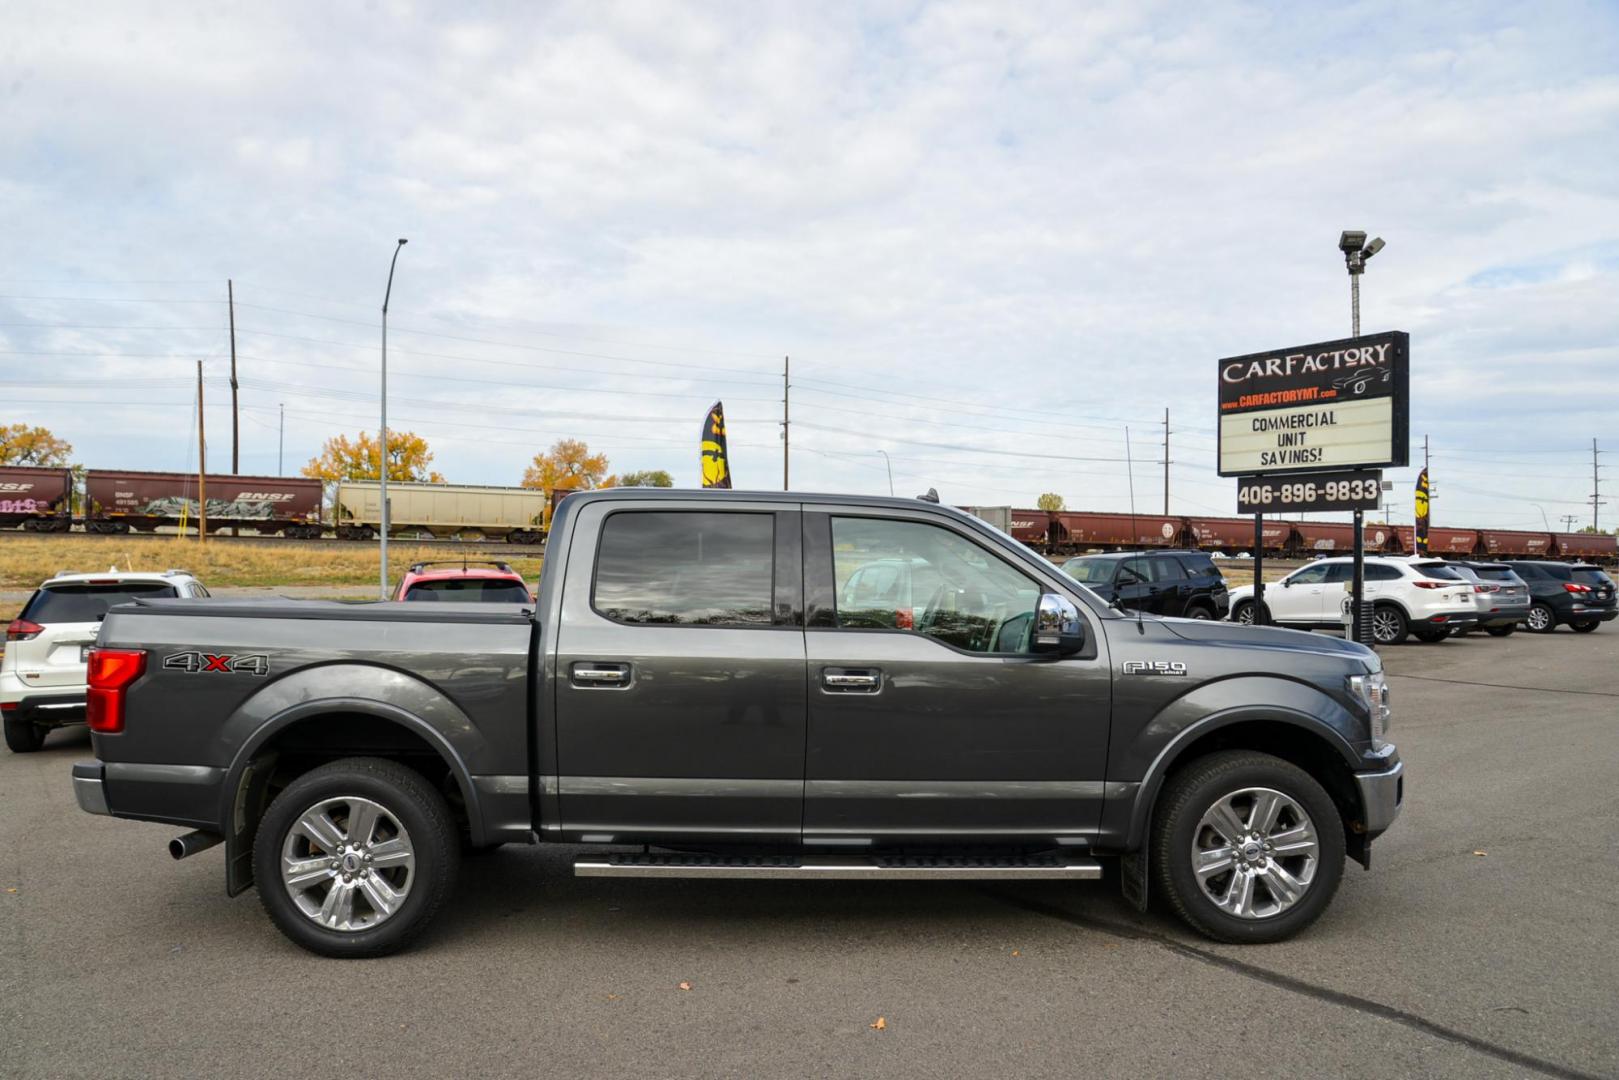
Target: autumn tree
(646, 478)
(1049, 501)
(24, 445)
(569, 465)
(343, 458)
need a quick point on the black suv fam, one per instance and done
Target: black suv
(1183, 583)
(1579, 595)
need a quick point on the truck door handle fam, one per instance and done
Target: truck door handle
(852, 680)
(594, 673)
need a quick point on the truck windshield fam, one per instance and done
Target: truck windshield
(471, 591)
(87, 603)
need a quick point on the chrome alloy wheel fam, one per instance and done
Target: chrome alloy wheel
(1385, 626)
(348, 863)
(1245, 614)
(1540, 618)
(1255, 853)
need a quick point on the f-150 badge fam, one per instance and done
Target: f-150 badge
(1154, 667)
(253, 664)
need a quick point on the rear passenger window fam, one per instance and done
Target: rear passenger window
(1166, 569)
(680, 568)
(1379, 572)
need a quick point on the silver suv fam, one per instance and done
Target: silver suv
(42, 672)
(1502, 597)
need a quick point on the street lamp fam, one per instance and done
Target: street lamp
(884, 453)
(1352, 242)
(382, 438)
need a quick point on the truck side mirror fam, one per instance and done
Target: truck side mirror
(1058, 629)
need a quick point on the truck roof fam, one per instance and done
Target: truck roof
(639, 494)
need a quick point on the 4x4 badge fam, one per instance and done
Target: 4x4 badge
(252, 664)
(1154, 667)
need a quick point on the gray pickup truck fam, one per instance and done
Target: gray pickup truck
(700, 692)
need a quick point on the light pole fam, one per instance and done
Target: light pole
(884, 453)
(382, 437)
(1352, 242)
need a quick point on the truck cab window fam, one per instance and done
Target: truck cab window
(685, 568)
(906, 575)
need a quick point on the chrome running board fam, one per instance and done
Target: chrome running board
(935, 867)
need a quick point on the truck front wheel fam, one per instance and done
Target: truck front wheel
(354, 858)
(1247, 847)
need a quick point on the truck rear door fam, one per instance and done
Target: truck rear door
(680, 674)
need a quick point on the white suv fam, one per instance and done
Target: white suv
(42, 672)
(1417, 596)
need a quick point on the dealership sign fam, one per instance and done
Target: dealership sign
(1330, 406)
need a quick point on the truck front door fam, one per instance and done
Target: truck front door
(935, 723)
(679, 675)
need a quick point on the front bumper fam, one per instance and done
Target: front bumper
(1381, 796)
(89, 788)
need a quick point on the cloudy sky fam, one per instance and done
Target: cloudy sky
(991, 236)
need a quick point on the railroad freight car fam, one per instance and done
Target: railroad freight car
(1592, 547)
(1077, 531)
(1031, 527)
(121, 502)
(1237, 534)
(38, 500)
(1512, 543)
(443, 510)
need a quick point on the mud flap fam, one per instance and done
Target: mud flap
(247, 808)
(1358, 846)
(1133, 878)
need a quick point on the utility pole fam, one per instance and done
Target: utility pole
(1568, 522)
(1166, 460)
(1430, 481)
(202, 466)
(235, 430)
(281, 439)
(1596, 487)
(786, 402)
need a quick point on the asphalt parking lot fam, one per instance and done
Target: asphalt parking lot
(1482, 944)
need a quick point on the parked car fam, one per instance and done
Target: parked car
(463, 582)
(1573, 594)
(1501, 596)
(1186, 584)
(690, 699)
(1424, 598)
(42, 672)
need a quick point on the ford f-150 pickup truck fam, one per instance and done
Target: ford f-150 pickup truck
(696, 693)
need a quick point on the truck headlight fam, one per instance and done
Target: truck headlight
(1373, 689)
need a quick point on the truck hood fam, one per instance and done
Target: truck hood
(1239, 636)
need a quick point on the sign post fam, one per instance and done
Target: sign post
(1305, 428)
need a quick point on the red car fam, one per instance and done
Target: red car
(465, 582)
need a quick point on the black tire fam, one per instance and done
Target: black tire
(1190, 792)
(1389, 625)
(1243, 613)
(24, 737)
(403, 795)
(1546, 618)
(1499, 631)
(1585, 627)
(1198, 611)
(1430, 637)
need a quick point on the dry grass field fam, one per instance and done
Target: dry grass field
(25, 561)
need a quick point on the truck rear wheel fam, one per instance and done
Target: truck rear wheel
(23, 736)
(356, 857)
(1247, 847)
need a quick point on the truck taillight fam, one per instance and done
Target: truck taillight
(23, 630)
(111, 672)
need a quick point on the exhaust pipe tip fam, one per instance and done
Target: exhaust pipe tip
(191, 843)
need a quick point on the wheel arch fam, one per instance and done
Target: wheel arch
(1293, 736)
(311, 732)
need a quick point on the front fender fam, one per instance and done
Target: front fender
(361, 689)
(1151, 752)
